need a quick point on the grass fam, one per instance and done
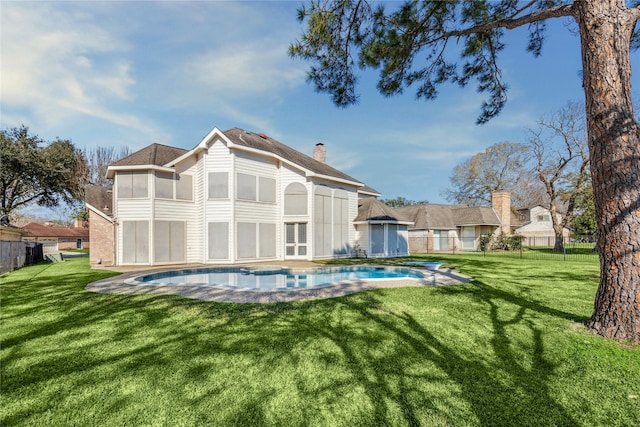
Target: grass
(508, 349)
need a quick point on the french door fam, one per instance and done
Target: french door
(295, 240)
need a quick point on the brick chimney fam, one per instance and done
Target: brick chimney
(501, 204)
(320, 153)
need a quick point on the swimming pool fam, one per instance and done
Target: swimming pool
(269, 278)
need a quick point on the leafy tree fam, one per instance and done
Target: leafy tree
(400, 201)
(584, 218)
(561, 161)
(409, 46)
(33, 173)
(499, 167)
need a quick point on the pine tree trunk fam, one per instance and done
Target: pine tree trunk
(614, 146)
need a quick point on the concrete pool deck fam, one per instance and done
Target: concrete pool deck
(117, 285)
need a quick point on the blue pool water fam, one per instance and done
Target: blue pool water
(274, 278)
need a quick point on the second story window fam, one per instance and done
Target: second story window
(132, 185)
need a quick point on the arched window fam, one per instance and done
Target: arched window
(295, 199)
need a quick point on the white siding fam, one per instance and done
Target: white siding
(255, 211)
(139, 209)
(218, 158)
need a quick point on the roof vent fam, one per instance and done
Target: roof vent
(262, 135)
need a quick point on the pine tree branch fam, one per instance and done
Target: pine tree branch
(511, 23)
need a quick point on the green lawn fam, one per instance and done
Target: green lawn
(508, 349)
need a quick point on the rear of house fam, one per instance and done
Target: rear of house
(236, 197)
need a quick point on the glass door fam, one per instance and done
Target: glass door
(295, 240)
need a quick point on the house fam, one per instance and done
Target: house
(438, 227)
(537, 227)
(55, 239)
(236, 197)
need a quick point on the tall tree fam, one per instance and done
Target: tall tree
(343, 33)
(499, 167)
(99, 159)
(583, 222)
(31, 172)
(561, 162)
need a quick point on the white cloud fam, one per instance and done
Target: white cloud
(249, 69)
(57, 63)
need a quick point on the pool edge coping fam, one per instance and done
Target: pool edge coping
(117, 285)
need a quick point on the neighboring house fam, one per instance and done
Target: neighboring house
(55, 239)
(236, 197)
(439, 227)
(10, 233)
(537, 227)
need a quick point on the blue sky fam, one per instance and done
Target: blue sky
(135, 73)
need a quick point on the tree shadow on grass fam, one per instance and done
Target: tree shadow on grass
(519, 396)
(167, 343)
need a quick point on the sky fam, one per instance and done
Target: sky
(140, 72)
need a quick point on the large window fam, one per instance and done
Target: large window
(322, 222)
(246, 239)
(132, 185)
(267, 188)
(218, 185)
(254, 188)
(169, 241)
(218, 240)
(295, 199)
(173, 186)
(377, 239)
(184, 187)
(256, 240)
(267, 240)
(164, 185)
(392, 239)
(246, 186)
(341, 222)
(135, 247)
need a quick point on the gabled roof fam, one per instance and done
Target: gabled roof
(160, 156)
(39, 230)
(100, 199)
